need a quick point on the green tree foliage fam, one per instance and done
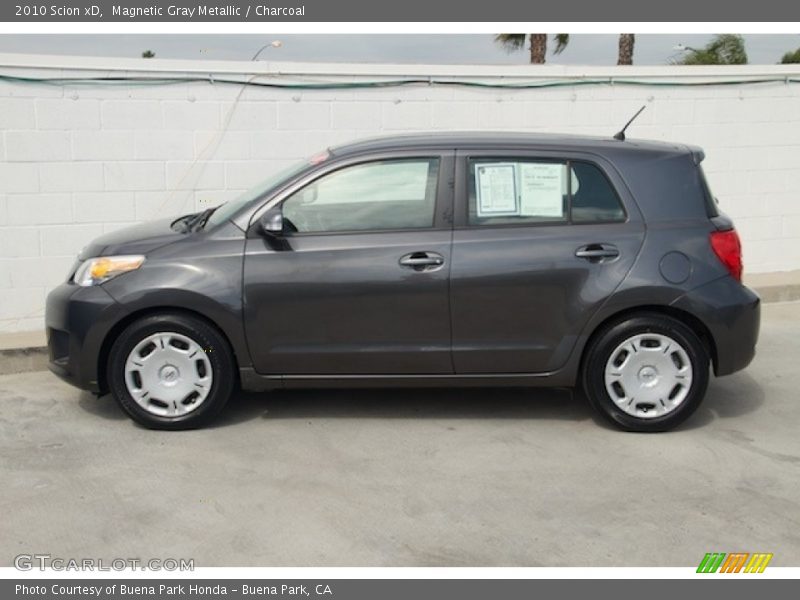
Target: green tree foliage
(538, 44)
(791, 57)
(724, 49)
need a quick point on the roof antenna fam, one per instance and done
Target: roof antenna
(620, 135)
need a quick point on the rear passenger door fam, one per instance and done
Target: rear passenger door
(541, 240)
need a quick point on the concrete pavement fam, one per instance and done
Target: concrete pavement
(409, 478)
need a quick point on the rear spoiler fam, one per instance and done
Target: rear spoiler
(697, 154)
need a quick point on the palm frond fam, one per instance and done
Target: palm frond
(561, 40)
(511, 42)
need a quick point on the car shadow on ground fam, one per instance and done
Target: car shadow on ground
(726, 398)
(103, 406)
(408, 403)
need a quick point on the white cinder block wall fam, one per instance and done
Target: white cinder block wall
(80, 160)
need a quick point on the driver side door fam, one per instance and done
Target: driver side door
(357, 284)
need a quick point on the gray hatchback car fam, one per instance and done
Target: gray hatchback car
(423, 260)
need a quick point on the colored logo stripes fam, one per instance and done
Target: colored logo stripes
(735, 562)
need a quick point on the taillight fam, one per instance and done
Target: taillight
(728, 248)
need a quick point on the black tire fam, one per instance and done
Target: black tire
(206, 336)
(607, 341)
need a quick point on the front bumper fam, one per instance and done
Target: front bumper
(732, 313)
(78, 320)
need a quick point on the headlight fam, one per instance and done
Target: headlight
(99, 270)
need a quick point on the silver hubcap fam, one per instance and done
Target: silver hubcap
(168, 374)
(648, 375)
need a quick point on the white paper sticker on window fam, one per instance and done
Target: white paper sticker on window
(496, 187)
(542, 186)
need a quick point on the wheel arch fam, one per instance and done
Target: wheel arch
(114, 332)
(688, 319)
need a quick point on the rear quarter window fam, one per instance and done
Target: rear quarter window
(593, 198)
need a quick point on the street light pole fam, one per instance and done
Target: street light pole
(272, 44)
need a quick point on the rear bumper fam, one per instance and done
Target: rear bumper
(77, 321)
(732, 313)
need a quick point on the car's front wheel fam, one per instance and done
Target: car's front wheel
(648, 372)
(171, 371)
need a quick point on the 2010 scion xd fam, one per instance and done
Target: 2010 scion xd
(456, 259)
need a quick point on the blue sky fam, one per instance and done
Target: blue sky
(586, 49)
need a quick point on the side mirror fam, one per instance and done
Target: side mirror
(272, 222)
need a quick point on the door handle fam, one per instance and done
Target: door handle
(422, 261)
(597, 252)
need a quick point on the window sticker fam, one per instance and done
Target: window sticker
(496, 187)
(542, 189)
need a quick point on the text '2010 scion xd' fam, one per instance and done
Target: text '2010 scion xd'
(452, 259)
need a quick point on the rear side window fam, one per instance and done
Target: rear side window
(521, 191)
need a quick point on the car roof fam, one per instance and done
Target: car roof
(473, 139)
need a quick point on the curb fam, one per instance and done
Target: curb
(779, 293)
(34, 358)
(23, 360)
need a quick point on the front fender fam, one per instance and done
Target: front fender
(207, 282)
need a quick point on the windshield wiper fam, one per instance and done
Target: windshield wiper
(199, 220)
(192, 222)
(181, 224)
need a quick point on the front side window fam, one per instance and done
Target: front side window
(380, 195)
(521, 191)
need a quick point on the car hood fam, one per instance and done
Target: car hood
(137, 239)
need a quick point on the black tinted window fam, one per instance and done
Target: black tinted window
(593, 198)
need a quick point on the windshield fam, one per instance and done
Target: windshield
(227, 210)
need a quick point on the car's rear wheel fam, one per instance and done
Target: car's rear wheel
(648, 372)
(171, 371)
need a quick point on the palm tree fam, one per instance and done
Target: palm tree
(516, 41)
(626, 42)
(791, 57)
(724, 49)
